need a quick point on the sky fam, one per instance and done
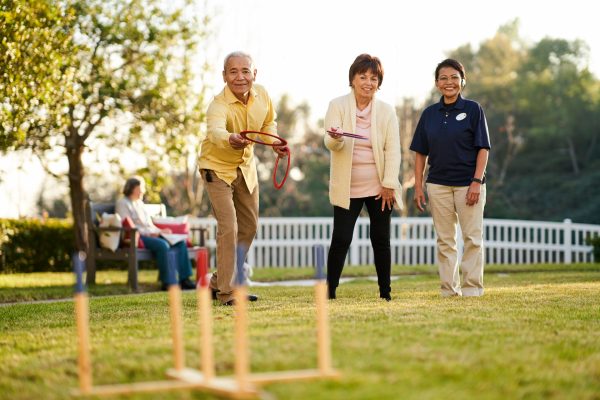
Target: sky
(305, 48)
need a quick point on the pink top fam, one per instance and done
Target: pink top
(364, 181)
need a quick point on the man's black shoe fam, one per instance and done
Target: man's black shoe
(187, 284)
(251, 297)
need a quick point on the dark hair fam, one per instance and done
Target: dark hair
(449, 62)
(364, 63)
(130, 185)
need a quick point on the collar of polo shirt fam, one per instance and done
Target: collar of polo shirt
(230, 97)
(459, 104)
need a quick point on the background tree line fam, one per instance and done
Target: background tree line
(87, 76)
(543, 110)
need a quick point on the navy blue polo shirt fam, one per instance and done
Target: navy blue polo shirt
(451, 137)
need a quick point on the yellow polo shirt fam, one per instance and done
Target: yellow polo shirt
(227, 115)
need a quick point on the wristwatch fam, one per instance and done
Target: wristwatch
(480, 181)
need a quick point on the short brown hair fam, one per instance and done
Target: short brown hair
(449, 62)
(131, 184)
(364, 63)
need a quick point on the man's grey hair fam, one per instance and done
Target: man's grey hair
(238, 54)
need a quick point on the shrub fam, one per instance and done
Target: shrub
(29, 245)
(595, 241)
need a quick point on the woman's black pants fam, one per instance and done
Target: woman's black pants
(343, 227)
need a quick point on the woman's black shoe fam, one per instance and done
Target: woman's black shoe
(386, 297)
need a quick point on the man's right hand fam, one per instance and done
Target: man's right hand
(238, 142)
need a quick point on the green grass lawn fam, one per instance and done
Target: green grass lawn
(534, 335)
(53, 285)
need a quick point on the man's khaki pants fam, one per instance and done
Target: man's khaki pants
(236, 212)
(448, 206)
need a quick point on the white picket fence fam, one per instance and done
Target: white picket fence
(288, 242)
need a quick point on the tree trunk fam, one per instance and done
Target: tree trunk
(79, 206)
(408, 117)
(195, 191)
(512, 146)
(573, 155)
(591, 148)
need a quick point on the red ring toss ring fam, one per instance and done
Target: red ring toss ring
(282, 141)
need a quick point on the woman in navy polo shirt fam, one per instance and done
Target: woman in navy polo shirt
(453, 136)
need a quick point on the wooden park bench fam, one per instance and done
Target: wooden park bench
(131, 253)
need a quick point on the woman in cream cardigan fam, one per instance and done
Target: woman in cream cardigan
(364, 172)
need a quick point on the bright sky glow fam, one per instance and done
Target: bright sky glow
(304, 48)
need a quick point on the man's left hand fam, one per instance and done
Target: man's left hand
(282, 151)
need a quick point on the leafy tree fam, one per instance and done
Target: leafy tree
(35, 53)
(561, 97)
(314, 164)
(491, 80)
(408, 117)
(305, 192)
(543, 110)
(129, 81)
(559, 103)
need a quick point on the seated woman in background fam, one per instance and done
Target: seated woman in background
(132, 206)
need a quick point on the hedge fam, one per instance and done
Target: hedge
(30, 245)
(595, 241)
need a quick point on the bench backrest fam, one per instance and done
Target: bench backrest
(156, 210)
(97, 209)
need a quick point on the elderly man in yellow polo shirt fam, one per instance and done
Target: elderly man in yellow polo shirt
(228, 167)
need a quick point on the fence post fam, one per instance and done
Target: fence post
(568, 244)
(542, 240)
(251, 257)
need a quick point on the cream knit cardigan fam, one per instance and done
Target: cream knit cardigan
(385, 139)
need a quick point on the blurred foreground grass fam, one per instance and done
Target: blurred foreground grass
(533, 335)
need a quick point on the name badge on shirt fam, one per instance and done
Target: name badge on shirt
(461, 116)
